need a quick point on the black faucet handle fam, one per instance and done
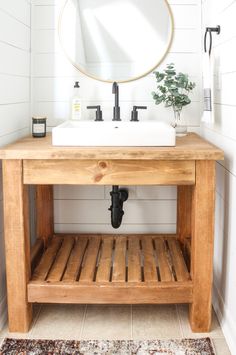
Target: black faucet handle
(98, 112)
(134, 113)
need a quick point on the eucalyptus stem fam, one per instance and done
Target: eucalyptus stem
(172, 89)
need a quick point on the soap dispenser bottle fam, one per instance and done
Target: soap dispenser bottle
(76, 103)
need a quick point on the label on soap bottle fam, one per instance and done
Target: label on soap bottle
(76, 109)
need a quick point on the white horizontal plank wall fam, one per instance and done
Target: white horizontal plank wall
(223, 134)
(15, 32)
(149, 209)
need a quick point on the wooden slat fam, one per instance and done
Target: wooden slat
(44, 212)
(186, 250)
(178, 260)
(36, 253)
(162, 259)
(134, 259)
(75, 260)
(109, 172)
(119, 264)
(17, 245)
(105, 235)
(47, 260)
(139, 293)
(61, 260)
(104, 268)
(89, 263)
(150, 271)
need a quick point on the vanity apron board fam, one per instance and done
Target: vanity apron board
(115, 268)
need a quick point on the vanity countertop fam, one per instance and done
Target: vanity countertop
(190, 147)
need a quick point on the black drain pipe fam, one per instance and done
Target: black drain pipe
(118, 197)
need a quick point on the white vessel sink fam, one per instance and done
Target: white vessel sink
(110, 133)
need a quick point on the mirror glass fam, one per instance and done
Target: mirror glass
(116, 40)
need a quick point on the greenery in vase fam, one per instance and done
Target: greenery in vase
(173, 89)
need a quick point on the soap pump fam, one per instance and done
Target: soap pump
(76, 103)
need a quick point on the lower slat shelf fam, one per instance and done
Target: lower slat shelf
(111, 269)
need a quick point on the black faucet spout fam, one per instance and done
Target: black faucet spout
(116, 108)
(115, 90)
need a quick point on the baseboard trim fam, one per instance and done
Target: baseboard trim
(3, 309)
(227, 324)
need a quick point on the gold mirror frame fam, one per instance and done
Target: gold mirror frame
(118, 81)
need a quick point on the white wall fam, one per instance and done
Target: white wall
(149, 209)
(85, 208)
(223, 134)
(15, 35)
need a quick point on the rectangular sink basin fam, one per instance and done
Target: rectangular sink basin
(113, 134)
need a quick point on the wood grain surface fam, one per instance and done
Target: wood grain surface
(190, 147)
(109, 172)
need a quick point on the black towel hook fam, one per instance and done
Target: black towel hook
(210, 30)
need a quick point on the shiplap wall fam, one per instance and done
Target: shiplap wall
(83, 208)
(15, 33)
(223, 134)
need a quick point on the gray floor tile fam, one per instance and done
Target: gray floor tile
(59, 322)
(107, 322)
(155, 322)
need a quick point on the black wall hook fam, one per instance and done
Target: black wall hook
(210, 30)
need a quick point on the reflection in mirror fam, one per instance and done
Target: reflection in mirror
(116, 40)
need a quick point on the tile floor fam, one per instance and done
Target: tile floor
(116, 322)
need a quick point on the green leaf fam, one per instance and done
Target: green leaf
(170, 72)
(158, 101)
(163, 89)
(170, 66)
(159, 76)
(174, 89)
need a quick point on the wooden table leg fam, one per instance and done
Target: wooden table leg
(184, 199)
(203, 202)
(17, 245)
(44, 212)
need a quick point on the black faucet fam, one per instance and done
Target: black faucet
(116, 108)
(98, 112)
(134, 113)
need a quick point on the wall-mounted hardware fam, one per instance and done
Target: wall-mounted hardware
(98, 112)
(210, 30)
(39, 127)
(134, 112)
(118, 197)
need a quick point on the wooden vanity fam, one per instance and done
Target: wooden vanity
(109, 268)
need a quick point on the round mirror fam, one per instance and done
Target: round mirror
(116, 40)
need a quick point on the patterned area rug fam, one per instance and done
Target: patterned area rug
(116, 347)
